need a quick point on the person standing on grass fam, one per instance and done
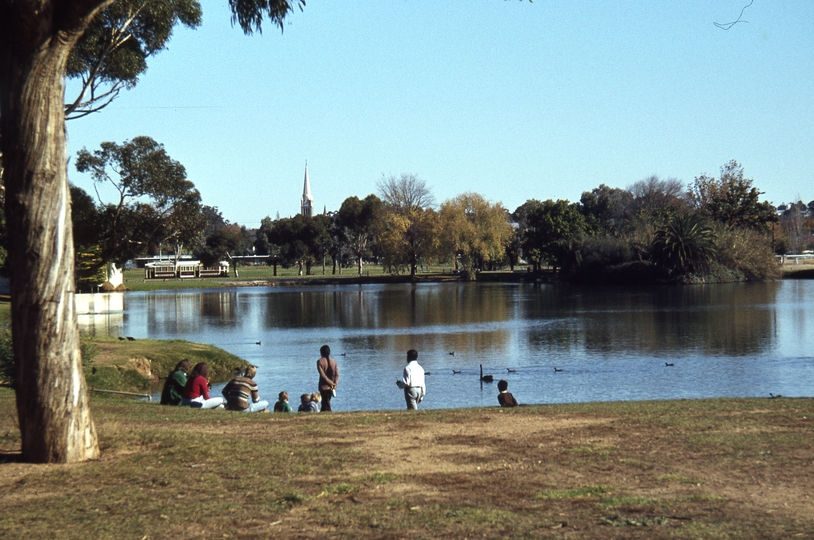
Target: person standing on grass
(328, 377)
(196, 392)
(175, 383)
(242, 393)
(412, 381)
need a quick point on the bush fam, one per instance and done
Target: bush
(748, 252)
(603, 251)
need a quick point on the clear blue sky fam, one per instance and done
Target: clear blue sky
(512, 100)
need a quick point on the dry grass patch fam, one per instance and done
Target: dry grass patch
(687, 469)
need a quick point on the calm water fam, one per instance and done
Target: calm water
(611, 343)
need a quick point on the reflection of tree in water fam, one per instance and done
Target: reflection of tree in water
(220, 308)
(392, 317)
(729, 319)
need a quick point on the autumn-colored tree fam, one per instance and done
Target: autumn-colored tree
(472, 228)
(408, 225)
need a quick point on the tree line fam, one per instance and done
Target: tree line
(715, 229)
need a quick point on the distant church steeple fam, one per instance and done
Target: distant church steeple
(307, 208)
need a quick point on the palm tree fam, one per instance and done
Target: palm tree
(685, 245)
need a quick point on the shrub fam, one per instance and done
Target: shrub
(748, 252)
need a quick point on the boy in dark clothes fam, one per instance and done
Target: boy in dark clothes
(505, 398)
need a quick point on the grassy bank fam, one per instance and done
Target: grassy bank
(681, 469)
(134, 278)
(138, 366)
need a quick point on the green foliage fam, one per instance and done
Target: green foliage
(602, 251)
(686, 245)
(732, 200)
(141, 170)
(249, 13)
(302, 240)
(551, 231)
(89, 269)
(355, 223)
(113, 51)
(609, 260)
(226, 242)
(608, 208)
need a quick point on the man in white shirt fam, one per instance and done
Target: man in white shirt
(412, 381)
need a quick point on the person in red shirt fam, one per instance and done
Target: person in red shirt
(196, 392)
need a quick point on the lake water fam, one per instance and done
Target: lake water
(612, 344)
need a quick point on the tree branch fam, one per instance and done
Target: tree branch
(727, 26)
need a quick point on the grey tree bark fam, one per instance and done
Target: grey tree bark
(52, 402)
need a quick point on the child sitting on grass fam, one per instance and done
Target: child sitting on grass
(315, 399)
(305, 403)
(505, 398)
(282, 405)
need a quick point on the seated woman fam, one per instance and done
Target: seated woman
(242, 394)
(196, 392)
(175, 383)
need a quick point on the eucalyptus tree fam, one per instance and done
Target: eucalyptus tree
(113, 51)
(731, 199)
(552, 231)
(356, 221)
(302, 240)
(36, 41)
(141, 173)
(226, 242)
(609, 208)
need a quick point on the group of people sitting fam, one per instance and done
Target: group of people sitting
(308, 403)
(241, 393)
(191, 389)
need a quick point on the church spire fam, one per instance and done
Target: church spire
(307, 208)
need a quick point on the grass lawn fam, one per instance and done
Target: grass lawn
(671, 469)
(135, 281)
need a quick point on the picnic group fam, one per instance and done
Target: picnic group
(189, 386)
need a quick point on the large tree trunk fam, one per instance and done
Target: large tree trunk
(52, 399)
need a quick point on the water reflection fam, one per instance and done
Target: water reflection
(612, 343)
(730, 320)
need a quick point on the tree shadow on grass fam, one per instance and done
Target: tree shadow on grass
(11, 456)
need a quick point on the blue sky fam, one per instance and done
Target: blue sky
(512, 100)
